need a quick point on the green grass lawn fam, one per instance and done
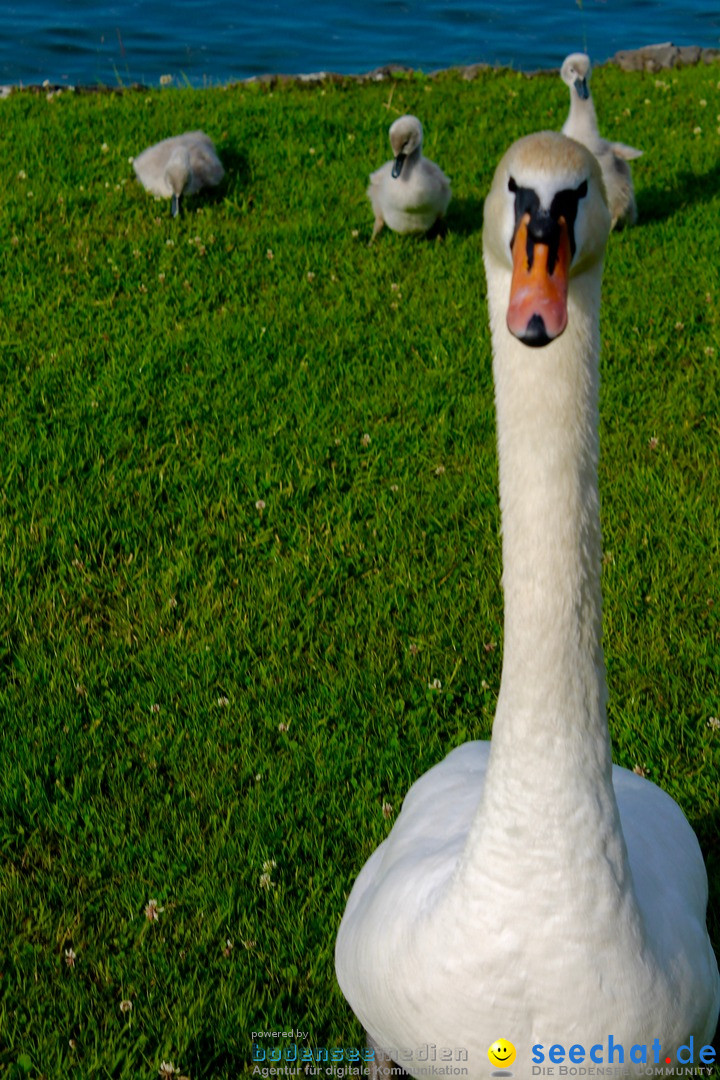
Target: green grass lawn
(249, 513)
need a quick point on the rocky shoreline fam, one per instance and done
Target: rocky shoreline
(649, 58)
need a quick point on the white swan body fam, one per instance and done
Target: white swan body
(613, 157)
(180, 165)
(410, 193)
(529, 890)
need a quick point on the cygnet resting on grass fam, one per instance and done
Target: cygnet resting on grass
(180, 165)
(410, 193)
(582, 126)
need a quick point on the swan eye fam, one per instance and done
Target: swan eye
(526, 201)
(565, 204)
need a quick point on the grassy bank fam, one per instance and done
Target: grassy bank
(249, 514)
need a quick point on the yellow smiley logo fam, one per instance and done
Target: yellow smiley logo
(501, 1053)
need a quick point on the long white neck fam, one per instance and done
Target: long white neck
(549, 773)
(581, 123)
(546, 402)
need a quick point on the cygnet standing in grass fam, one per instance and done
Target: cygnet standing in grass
(410, 193)
(180, 165)
(613, 158)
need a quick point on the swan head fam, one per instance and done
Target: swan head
(405, 137)
(575, 73)
(177, 175)
(546, 223)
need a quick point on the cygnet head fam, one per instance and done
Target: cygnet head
(405, 136)
(177, 175)
(546, 223)
(575, 73)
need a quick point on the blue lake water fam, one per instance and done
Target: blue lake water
(89, 41)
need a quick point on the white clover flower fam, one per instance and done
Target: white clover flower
(152, 911)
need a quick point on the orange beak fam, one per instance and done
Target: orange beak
(537, 312)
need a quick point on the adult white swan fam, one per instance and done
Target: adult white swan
(613, 157)
(529, 890)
